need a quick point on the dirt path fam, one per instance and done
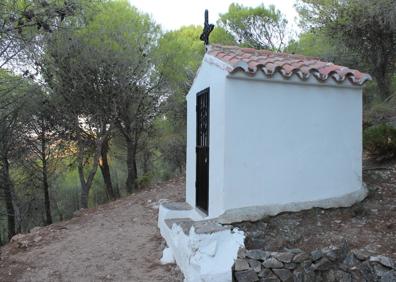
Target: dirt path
(114, 242)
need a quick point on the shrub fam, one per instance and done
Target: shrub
(380, 141)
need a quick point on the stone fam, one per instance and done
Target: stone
(342, 276)
(255, 265)
(270, 279)
(272, 263)
(283, 274)
(294, 251)
(283, 256)
(361, 254)
(329, 276)
(301, 257)
(241, 253)
(298, 276)
(257, 254)
(390, 276)
(309, 276)
(350, 260)
(37, 239)
(35, 229)
(241, 264)
(334, 253)
(367, 271)
(322, 264)
(24, 244)
(316, 254)
(17, 237)
(246, 276)
(77, 214)
(385, 261)
(265, 272)
(380, 270)
(290, 265)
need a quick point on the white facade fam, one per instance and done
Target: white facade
(276, 144)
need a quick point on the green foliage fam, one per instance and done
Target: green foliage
(260, 27)
(380, 141)
(367, 28)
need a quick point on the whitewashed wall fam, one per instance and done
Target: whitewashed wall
(275, 143)
(214, 77)
(290, 142)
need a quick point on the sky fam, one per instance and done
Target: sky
(172, 14)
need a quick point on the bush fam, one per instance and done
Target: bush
(380, 142)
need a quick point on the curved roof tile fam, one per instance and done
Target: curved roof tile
(251, 61)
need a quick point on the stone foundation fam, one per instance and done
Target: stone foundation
(334, 263)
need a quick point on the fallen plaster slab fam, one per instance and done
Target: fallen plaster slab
(255, 213)
(203, 249)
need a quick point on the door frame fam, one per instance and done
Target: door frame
(202, 185)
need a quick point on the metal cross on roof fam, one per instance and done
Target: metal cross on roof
(208, 28)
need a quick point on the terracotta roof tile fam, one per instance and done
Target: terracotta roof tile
(251, 61)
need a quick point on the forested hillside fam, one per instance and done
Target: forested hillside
(92, 93)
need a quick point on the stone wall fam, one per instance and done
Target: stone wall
(334, 263)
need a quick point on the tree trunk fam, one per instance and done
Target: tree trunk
(87, 183)
(105, 169)
(384, 86)
(131, 166)
(47, 203)
(13, 214)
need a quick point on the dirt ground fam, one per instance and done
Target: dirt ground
(370, 225)
(118, 241)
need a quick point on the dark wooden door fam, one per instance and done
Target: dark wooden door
(202, 151)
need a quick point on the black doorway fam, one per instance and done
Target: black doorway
(202, 151)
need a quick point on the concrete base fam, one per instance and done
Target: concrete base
(203, 249)
(258, 212)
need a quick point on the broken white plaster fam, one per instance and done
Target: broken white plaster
(203, 256)
(167, 256)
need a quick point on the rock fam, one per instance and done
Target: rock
(316, 254)
(270, 279)
(241, 264)
(268, 276)
(255, 265)
(294, 251)
(331, 252)
(17, 237)
(322, 264)
(283, 257)
(309, 276)
(246, 276)
(350, 260)
(283, 274)
(334, 253)
(37, 239)
(361, 254)
(380, 270)
(24, 244)
(329, 276)
(257, 254)
(290, 265)
(342, 276)
(272, 263)
(367, 271)
(301, 257)
(241, 253)
(385, 261)
(35, 229)
(390, 276)
(265, 272)
(298, 276)
(77, 214)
